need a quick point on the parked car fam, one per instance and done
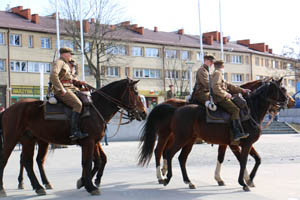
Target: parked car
(297, 99)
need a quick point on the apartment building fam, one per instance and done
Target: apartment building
(157, 58)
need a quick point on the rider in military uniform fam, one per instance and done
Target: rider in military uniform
(222, 96)
(63, 77)
(201, 89)
(170, 93)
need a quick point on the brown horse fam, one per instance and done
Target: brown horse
(29, 142)
(162, 127)
(165, 136)
(29, 116)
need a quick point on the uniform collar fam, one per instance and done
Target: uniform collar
(64, 60)
(205, 67)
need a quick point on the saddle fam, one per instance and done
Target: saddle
(223, 117)
(60, 111)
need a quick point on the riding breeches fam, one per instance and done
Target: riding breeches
(231, 108)
(70, 99)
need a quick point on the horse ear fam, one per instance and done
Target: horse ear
(279, 81)
(135, 82)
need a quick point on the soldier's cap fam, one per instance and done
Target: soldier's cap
(218, 63)
(210, 57)
(66, 50)
(171, 85)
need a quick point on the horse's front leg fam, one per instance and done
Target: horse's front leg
(103, 160)
(243, 163)
(257, 158)
(40, 159)
(87, 159)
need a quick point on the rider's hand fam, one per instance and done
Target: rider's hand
(246, 91)
(228, 96)
(63, 93)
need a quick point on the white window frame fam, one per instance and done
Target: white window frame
(117, 50)
(171, 53)
(237, 78)
(237, 59)
(13, 39)
(151, 52)
(2, 65)
(112, 71)
(45, 43)
(30, 41)
(1, 38)
(18, 66)
(172, 74)
(146, 73)
(198, 56)
(136, 51)
(34, 67)
(185, 75)
(290, 66)
(291, 83)
(184, 55)
(257, 61)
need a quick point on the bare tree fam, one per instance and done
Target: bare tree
(101, 36)
(292, 50)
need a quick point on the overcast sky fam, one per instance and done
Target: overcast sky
(269, 21)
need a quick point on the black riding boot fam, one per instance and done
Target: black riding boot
(86, 112)
(75, 130)
(237, 130)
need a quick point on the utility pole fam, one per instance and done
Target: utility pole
(8, 70)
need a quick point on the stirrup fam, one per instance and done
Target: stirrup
(78, 136)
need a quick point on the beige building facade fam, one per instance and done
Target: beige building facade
(157, 59)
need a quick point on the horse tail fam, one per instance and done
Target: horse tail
(157, 116)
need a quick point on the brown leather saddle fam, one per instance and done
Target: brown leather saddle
(61, 111)
(223, 117)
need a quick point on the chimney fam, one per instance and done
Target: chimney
(244, 42)
(126, 23)
(86, 26)
(215, 34)
(112, 27)
(134, 26)
(140, 30)
(258, 47)
(208, 39)
(17, 9)
(270, 51)
(225, 40)
(155, 29)
(35, 18)
(26, 13)
(267, 48)
(181, 31)
(92, 20)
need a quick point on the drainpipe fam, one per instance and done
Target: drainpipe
(8, 70)
(251, 67)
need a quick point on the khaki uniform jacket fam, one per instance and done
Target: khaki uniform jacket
(221, 88)
(60, 72)
(202, 79)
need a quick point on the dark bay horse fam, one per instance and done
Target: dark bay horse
(29, 116)
(189, 123)
(159, 123)
(29, 142)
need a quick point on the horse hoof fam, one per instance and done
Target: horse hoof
(97, 183)
(221, 183)
(161, 181)
(79, 184)
(41, 191)
(165, 182)
(3, 193)
(246, 189)
(192, 186)
(21, 186)
(48, 186)
(250, 183)
(95, 192)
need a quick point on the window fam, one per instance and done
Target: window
(198, 55)
(112, 71)
(170, 53)
(247, 60)
(146, 73)
(227, 58)
(2, 66)
(87, 46)
(15, 40)
(35, 67)
(136, 51)
(185, 75)
(30, 41)
(45, 43)
(262, 62)
(226, 76)
(257, 61)
(117, 50)
(67, 43)
(290, 66)
(236, 59)
(127, 71)
(259, 77)
(184, 55)
(172, 74)
(1, 38)
(87, 70)
(267, 62)
(291, 83)
(151, 52)
(236, 78)
(275, 64)
(18, 66)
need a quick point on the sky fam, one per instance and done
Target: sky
(268, 21)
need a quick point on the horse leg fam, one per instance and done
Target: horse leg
(40, 159)
(160, 146)
(102, 166)
(257, 158)
(20, 177)
(221, 155)
(27, 160)
(87, 158)
(243, 163)
(182, 160)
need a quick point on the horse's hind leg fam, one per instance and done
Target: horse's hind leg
(160, 146)
(21, 173)
(40, 159)
(27, 160)
(221, 155)
(182, 160)
(103, 160)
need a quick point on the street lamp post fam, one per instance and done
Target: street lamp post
(190, 66)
